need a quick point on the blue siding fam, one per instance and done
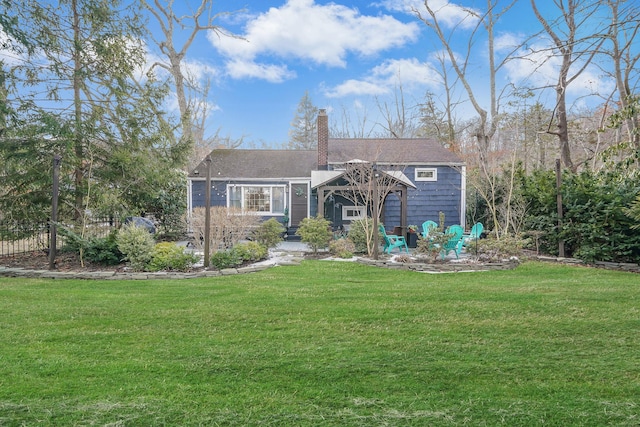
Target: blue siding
(424, 203)
(219, 192)
(428, 199)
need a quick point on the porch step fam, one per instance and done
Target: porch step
(291, 235)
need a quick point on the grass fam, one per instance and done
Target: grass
(325, 344)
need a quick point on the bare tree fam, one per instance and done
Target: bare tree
(369, 185)
(488, 120)
(573, 50)
(347, 128)
(399, 119)
(624, 52)
(486, 125)
(172, 26)
(441, 122)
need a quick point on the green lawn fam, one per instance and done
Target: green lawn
(325, 344)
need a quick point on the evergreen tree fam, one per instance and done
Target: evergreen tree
(78, 96)
(304, 132)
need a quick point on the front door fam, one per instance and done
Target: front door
(299, 202)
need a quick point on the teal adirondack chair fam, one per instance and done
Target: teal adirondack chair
(455, 241)
(392, 241)
(428, 227)
(474, 234)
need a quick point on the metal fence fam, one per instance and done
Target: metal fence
(24, 237)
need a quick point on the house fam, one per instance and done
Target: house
(418, 178)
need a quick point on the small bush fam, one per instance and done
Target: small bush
(225, 259)
(342, 248)
(136, 244)
(250, 251)
(492, 249)
(170, 256)
(358, 234)
(103, 250)
(99, 250)
(433, 245)
(315, 232)
(228, 226)
(238, 255)
(269, 233)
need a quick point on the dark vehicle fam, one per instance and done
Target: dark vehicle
(139, 221)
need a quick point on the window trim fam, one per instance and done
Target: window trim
(242, 187)
(434, 178)
(361, 209)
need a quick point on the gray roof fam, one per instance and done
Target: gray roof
(274, 164)
(395, 151)
(258, 164)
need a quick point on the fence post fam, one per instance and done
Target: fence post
(54, 213)
(560, 208)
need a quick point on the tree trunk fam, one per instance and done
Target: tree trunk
(78, 145)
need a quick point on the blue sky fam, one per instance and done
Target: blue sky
(349, 55)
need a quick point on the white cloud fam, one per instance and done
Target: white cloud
(507, 42)
(536, 66)
(356, 87)
(200, 71)
(320, 34)
(384, 78)
(449, 14)
(407, 72)
(10, 57)
(239, 69)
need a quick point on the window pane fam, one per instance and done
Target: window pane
(278, 199)
(425, 174)
(257, 199)
(234, 197)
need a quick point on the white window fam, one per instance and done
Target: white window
(426, 174)
(259, 199)
(350, 213)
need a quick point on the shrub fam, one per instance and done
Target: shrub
(225, 259)
(492, 249)
(342, 248)
(315, 232)
(238, 255)
(228, 226)
(99, 250)
(250, 251)
(136, 244)
(170, 256)
(269, 233)
(103, 250)
(433, 245)
(358, 234)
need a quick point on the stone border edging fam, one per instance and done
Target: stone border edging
(451, 267)
(607, 265)
(113, 275)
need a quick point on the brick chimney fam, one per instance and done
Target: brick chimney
(323, 140)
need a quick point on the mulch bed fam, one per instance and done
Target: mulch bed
(68, 261)
(64, 262)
